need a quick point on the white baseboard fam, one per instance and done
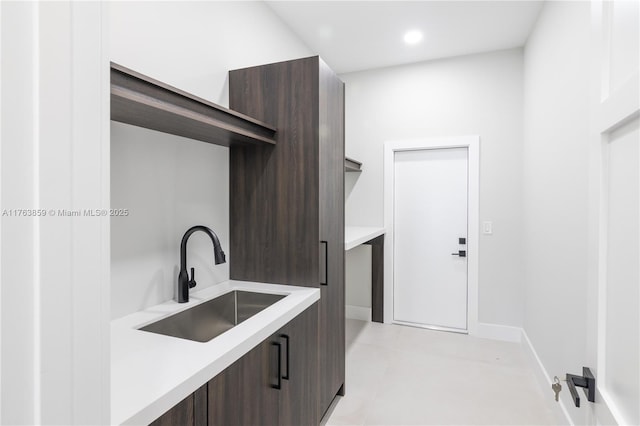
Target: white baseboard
(543, 377)
(498, 332)
(358, 312)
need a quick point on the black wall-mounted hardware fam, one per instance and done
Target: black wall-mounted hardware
(586, 381)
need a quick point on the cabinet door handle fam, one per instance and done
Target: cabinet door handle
(278, 384)
(324, 269)
(286, 339)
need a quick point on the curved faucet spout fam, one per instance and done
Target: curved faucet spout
(218, 254)
(184, 283)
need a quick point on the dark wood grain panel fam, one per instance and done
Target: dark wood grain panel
(142, 101)
(299, 398)
(242, 394)
(201, 406)
(274, 190)
(181, 414)
(331, 318)
(377, 278)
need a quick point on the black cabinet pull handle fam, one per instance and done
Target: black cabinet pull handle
(278, 385)
(286, 339)
(325, 267)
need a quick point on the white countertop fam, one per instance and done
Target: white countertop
(356, 235)
(150, 372)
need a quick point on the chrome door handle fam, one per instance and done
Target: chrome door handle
(461, 253)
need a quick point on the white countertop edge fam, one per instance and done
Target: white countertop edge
(150, 373)
(356, 235)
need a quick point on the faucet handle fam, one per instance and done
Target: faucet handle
(192, 281)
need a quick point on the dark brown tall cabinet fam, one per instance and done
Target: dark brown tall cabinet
(287, 200)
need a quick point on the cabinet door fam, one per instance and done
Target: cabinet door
(243, 394)
(274, 197)
(299, 394)
(191, 411)
(180, 414)
(332, 303)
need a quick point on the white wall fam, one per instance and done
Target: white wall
(358, 282)
(171, 183)
(478, 94)
(555, 188)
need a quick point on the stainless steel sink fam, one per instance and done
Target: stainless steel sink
(207, 320)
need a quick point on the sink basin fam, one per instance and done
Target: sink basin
(207, 320)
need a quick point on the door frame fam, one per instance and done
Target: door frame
(472, 143)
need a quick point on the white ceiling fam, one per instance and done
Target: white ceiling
(359, 35)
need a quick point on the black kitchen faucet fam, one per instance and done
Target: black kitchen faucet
(184, 283)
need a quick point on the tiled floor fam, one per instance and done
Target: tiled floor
(399, 375)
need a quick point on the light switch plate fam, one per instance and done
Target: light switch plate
(487, 228)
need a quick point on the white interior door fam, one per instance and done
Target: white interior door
(615, 338)
(621, 348)
(430, 216)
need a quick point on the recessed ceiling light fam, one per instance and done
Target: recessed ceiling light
(412, 37)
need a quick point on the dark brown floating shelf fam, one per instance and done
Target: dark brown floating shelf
(142, 101)
(351, 165)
